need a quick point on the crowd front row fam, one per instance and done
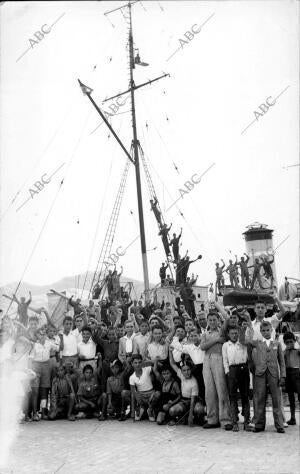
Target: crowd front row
(175, 371)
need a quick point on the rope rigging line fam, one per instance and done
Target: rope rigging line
(50, 210)
(110, 232)
(176, 205)
(37, 162)
(36, 243)
(153, 195)
(100, 212)
(159, 135)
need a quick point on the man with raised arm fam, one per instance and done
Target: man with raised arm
(23, 308)
(175, 245)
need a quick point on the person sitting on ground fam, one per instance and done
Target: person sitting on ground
(196, 354)
(111, 400)
(292, 381)
(62, 396)
(143, 394)
(88, 393)
(72, 374)
(170, 394)
(189, 403)
(126, 390)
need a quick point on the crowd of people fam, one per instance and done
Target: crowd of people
(161, 362)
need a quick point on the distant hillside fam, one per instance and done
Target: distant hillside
(73, 285)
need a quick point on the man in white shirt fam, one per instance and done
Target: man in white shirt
(79, 323)
(141, 340)
(126, 342)
(87, 350)
(260, 310)
(196, 354)
(68, 345)
(236, 368)
(142, 391)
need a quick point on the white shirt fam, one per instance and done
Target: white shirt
(41, 352)
(77, 334)
(256, 328)
(55, 344)
(189, 387)
(128, 343)
(195, 352)
(177, 345)
(140, 343)
(87, 349)
(144, 382)
(233, 353)
(268, 341)
(155, 349)
(70, 345)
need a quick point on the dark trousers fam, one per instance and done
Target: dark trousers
(198, 374)
(260, 396)
(105, 373)
(238, 380)
(292, 385)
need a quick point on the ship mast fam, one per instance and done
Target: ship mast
(135, 146)
(135, 142)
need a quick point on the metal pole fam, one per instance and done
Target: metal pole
(135, 144)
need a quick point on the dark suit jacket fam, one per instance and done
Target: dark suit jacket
(268, 358)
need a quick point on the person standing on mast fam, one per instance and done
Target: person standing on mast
(162, 274)
(164, 231)
(156, 211)
(175, 245)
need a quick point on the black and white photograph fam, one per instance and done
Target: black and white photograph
(149, 237)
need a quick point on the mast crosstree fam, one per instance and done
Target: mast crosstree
(135, 142)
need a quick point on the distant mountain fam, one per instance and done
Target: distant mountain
(73, 285)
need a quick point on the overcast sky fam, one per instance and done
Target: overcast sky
(244, 53)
